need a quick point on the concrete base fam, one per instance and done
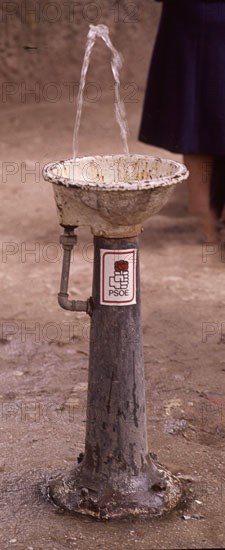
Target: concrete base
(153, 492)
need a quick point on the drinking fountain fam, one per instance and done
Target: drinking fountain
(113, 195)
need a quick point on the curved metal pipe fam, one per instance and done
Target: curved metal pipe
(68, 241)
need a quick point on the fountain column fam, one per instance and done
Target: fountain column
(116, 439)
(116, 476)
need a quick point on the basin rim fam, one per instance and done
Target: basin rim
(135, 185)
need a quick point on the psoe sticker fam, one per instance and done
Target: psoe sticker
(118, 277)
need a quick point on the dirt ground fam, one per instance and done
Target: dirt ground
(44, 350)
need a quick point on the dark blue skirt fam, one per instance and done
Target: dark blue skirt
(184, 107)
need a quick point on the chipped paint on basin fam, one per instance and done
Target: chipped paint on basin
(112, 194)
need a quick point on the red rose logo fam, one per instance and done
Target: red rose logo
(121, 265)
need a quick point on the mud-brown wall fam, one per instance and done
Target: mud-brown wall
(42, 44)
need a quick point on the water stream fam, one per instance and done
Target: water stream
(101, 31)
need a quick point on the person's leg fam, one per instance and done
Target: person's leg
(199, 182)
(217, 199)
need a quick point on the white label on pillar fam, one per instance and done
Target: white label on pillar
(118, 277)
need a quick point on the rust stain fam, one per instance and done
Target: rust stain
(110, 393)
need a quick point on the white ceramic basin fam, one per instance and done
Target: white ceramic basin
(112, 194)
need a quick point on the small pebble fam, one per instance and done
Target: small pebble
(186, 516)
